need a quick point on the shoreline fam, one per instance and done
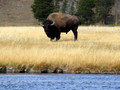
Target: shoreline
(5, 70)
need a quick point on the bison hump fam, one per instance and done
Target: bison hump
(61, 19)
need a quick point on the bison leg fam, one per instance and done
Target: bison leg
(75, 32)
(52, 38)
(58, 36)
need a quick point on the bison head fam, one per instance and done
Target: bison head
(48, 26)
(47, 23)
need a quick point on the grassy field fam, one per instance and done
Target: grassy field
(97, 49)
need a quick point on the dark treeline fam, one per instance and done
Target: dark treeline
(88, 11)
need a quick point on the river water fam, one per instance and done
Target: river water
(59, 82)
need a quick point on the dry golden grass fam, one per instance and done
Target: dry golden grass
(97, 49)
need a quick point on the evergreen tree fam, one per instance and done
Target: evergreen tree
(42, 8)
(84, 10)
(72, 8)
(56, 6)
(64, 6)
(103, 8)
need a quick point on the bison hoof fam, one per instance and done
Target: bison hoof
(51, 39)
(57, 39)
(75, 39)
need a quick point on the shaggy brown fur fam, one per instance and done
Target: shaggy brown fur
(62, 20)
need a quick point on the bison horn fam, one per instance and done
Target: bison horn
(53, 23)
(41, 24)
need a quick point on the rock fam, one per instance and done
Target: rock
(23, 69)
(10, 70)
(29, 69)
(3, 69)
(50, 70)
(58, 70)
(44, 71)
(32, 71)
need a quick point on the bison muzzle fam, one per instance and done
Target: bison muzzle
(59, 22)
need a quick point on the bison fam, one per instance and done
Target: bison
(59, 22)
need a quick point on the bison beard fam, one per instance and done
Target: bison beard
(59, 22)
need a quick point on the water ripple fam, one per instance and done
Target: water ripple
(59, 82)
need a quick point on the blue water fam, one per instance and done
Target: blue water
(59, 82)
